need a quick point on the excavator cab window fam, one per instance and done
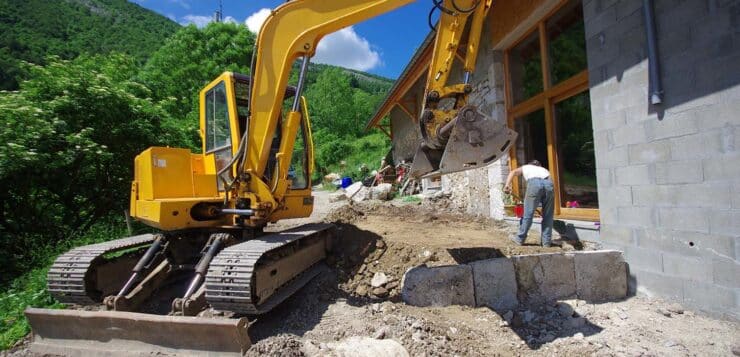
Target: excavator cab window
(298, 171)
(218, 130)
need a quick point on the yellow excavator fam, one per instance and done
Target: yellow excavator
(192, 288)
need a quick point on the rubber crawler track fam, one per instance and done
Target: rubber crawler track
(66, 279)
(230, 276)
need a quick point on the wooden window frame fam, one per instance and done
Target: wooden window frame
(550, 95)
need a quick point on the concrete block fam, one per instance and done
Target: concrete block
(685, 219)
(691, 268)
(617, 234)
(657, 284)
(603, 177)
(726, 272)
(709, 296)
(735, 198)
(438, 286)
(725, 222)
(495, 283)
(637, 216)
(718, 115)
(628, 134)
(616, 196)
(608, 121)
(644, 259)
(611, 157)
(678, 172)
(716, 194)
(654, 195)
(600, 275)
(672, 126)
(695, 146)
(666, 240)
(724, 167)
(633, 175)
(544, 277)
(656, 151)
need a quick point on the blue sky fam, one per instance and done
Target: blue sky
(382, 45)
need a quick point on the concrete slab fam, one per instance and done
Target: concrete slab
(438, 286)
(545, 277)
(495, 283)
(600, 275)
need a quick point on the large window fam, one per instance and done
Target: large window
(548, 104)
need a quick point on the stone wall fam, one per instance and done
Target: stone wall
(669, 175)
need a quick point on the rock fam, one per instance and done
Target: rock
(670, 343)
(663, 312)
(736, 350)
(366, 347)
(417, 336)
(375, 307)
(516, 321)
(381, 192)
(438, 286)
(310, 348)
(676, 309)
(576, 322)
(495, 283)
(382, 333)
(578, 336)
(391, 285)
(564, 309)
(357, 192)
(547, 338)
(337, 196)
(508, 316)
(380, 292)
(361, 290)
(380, 244)
(453, 330)
(379, 279)
(529, 316)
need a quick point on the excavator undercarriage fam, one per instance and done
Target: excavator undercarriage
(164, 284)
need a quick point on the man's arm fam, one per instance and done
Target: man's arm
(510, 178)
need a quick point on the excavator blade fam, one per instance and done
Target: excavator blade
(114, 333)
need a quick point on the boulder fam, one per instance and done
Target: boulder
(438, 286)
(381, 192)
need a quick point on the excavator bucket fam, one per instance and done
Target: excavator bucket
(114, 333)
(475, 140)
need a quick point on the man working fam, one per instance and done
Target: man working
(539, 191)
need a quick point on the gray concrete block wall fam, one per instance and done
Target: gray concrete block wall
(668, 175)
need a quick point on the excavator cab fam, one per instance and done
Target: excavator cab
(174, 188)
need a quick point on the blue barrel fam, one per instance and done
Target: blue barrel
(346, 182)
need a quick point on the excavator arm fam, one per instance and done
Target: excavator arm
(293, 30)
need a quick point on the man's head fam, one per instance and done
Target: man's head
(535, 163)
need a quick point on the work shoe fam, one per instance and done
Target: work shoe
(515, 238)
(547, 245)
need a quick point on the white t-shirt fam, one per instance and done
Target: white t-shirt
(532, 171)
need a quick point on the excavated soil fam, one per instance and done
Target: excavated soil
(381, 237)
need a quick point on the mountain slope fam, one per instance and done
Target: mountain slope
(35, 29)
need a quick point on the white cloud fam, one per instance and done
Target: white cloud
(229, 19)
(198, 20)
(254, 22)
(345, 48)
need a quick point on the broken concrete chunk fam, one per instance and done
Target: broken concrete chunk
(545, 277)
(381, 192)
(495, 284)
(438, 286)
(600, 275)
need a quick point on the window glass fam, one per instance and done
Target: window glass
(566, 42)
(526, 68)
(575, 143)
(218, 133)
(298, 170)
(531, 144)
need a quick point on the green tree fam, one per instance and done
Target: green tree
(69, 138)
(191, 59)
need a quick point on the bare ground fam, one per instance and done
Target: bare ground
(389, 238)
(376, 237)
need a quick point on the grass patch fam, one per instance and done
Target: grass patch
(30, 288)
(412, 198)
